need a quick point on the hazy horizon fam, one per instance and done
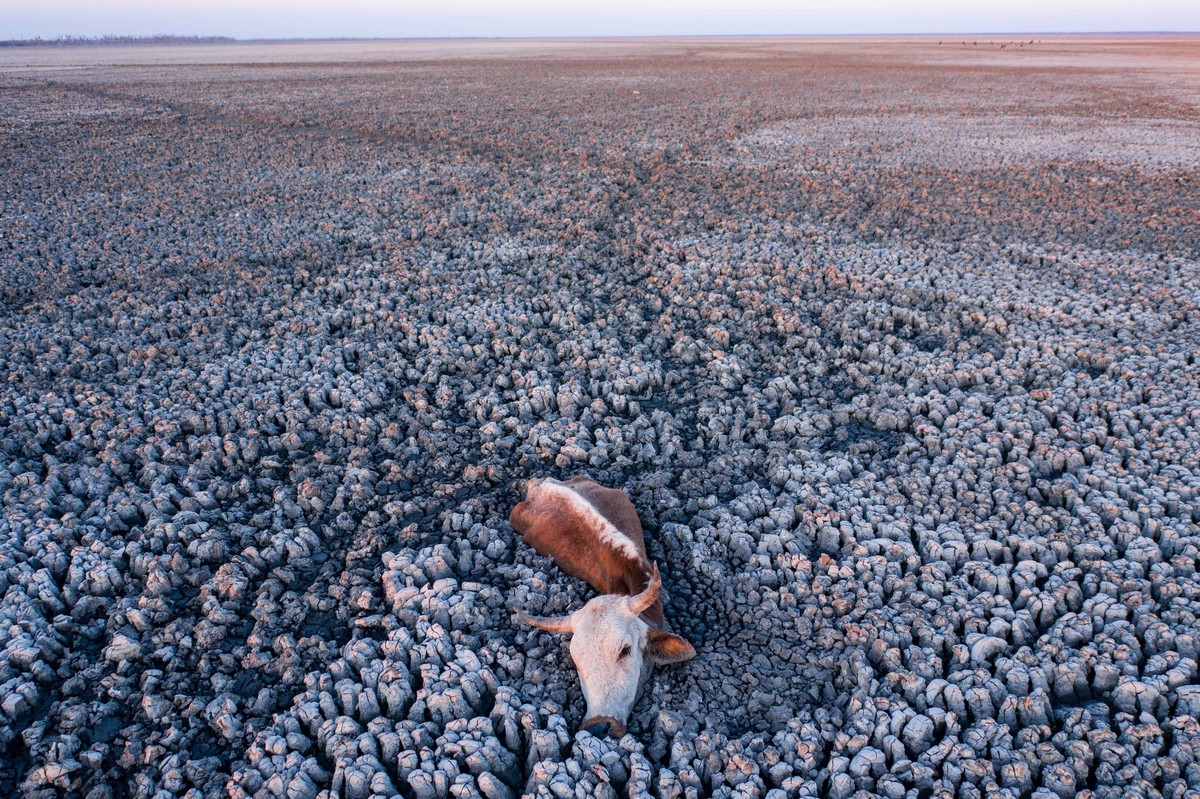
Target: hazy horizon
(99, 37)
(378, 19)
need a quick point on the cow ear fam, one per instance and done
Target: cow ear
(668, 647)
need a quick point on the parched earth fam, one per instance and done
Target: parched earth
(893, 343)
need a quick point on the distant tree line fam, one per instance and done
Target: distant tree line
(91, 41)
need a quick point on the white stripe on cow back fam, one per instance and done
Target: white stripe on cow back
(606, 531)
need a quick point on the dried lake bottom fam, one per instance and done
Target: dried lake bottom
(893, 343)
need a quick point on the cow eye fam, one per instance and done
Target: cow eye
(625, 651)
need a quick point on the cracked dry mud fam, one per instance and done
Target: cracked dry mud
(893, 344)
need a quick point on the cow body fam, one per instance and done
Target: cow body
(591, 532)
(594, 533)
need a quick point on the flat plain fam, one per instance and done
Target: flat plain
(893, 343)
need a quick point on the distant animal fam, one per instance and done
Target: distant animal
(594, 533)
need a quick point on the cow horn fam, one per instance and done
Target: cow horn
(642, 602)
(551, 624)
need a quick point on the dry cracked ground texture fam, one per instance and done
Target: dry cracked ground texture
(893, 344)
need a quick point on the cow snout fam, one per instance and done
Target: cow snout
(599, 729)
(601, 726)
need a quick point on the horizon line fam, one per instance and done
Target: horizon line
(183, 39)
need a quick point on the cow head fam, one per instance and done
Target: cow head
(614, 649)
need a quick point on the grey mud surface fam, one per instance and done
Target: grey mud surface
(893, 343)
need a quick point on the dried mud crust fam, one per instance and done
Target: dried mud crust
(911, 423)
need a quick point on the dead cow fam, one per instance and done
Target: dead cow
(594, 533)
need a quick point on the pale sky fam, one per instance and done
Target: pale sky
(434, 18)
